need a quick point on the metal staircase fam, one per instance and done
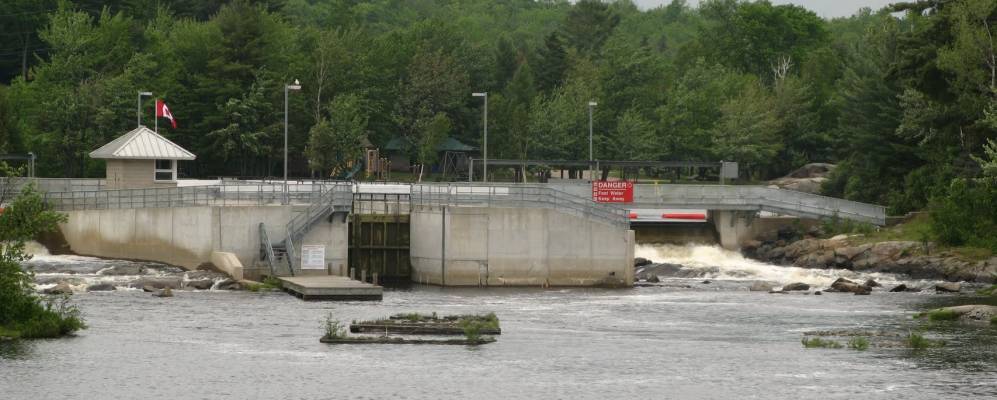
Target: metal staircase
(338, 198)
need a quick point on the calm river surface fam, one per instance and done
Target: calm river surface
(705, 341)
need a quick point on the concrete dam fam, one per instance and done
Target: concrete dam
(456, 234)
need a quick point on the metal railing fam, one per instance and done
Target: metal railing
(747, 198)
(521, 195)
(192, 196)
(266, 247)
(54, 184)
(337, 197)
(722, 197)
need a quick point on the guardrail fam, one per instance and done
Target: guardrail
(192, 196)
(747, 198)
(521, 195)
(55, 184)
(717, 197)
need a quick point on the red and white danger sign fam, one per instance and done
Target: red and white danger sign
(613, 191)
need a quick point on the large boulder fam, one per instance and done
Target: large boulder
(808, 178)
(847, 286)
(948, 287)
(59, 288)
(880, 255)
(795, 287)
(157, 283)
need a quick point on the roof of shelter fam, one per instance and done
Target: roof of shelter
(142, 144)
(451, 144)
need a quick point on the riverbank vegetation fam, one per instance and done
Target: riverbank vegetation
(902, 98)
(23, 314)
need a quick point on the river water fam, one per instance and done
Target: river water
(683, 339)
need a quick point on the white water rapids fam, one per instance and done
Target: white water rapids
(714, 262)
(82, 272)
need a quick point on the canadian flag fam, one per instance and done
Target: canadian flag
(163, 111)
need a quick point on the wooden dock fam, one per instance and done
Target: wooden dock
(330, 287)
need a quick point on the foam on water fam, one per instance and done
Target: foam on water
(719, 263)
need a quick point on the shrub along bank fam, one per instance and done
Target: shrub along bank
(23, 314)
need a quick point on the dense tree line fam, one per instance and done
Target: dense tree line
(902, 98)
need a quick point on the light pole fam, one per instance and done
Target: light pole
(591, 158)
(484, 175)
(295, 86)
(138, 109)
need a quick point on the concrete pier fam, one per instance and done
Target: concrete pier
(330, 287)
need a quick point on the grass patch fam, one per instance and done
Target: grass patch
(487, 321)
(269, 284)
(917, 229)
(917, 341)
(472, 329)
(990, 291)
(818, 343)
(993, 320)
(9, 333)
(859, 343)
(939, 314)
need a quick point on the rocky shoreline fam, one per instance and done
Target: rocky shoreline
(913, 259)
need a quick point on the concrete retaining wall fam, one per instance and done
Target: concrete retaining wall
(188, 236)
(516, 247)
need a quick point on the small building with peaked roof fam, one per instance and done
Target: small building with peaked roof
(399, 149)
(141, 158)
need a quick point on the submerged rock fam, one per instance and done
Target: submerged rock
(871, 283)
(899, 288)
(948, 287)
(653, 279)
(101, 287)
(130, 269)
(796, 286)
(760, 287)
(60, 288)
(166, 292)
(229, 284)
(203, 284)
(157, 283)
(641, 261)
(148, 288)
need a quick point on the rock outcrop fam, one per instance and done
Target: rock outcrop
(901, 257)
(807, 178)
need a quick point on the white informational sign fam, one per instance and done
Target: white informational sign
(728, 170)
(312, 256)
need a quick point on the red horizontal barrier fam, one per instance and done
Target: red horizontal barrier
(632, 215)
(684, 216)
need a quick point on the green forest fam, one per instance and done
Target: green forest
(902, 99)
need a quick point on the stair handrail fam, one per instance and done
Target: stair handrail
(267, 248)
